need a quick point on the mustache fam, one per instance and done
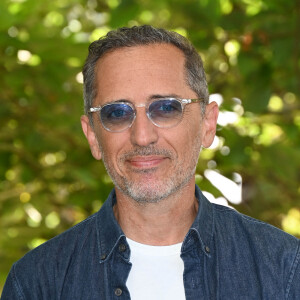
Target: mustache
(145, 151)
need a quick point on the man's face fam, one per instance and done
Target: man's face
(145, 162)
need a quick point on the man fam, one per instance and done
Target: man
(156, 236)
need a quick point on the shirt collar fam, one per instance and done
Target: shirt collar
(201, 230)
(109, 232)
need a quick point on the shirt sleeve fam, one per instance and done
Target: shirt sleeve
(11, 290)
(293, 287)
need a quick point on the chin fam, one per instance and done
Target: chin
(152, 191)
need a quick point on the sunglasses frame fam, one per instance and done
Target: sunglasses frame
(183, 102)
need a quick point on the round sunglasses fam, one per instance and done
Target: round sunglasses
(119, 116)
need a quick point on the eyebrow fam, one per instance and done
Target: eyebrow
(159, 96)
(117, 101)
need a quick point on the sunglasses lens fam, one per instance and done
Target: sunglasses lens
(117, 116)
(165, 112)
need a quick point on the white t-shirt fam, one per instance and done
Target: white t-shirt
(156, 273)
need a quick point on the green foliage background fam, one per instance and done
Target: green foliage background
(48, 179)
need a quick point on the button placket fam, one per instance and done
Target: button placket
(118, 292)
(207, 250)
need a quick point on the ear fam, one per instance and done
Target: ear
(91, 137)
(210, 124)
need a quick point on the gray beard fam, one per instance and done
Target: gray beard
(155, 194)
(145, 192)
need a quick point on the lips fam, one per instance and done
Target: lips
(146, 162)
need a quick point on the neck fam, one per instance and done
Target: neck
(159, 224)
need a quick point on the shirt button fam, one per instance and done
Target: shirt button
(122, 247)
(118, 292)
(103, 256)
(207, 250)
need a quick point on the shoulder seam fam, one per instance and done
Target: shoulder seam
(239, 214)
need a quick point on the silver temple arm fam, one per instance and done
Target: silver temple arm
(93, 109)
(187, 101)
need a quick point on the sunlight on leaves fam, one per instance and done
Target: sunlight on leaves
(220, 33)
(232, 190)
(13, 31)
(223, 67)
(219, 200)
(225, 150)
(53, 18)
(23, 35)
(79, 78)
(74, 25)
(10, 175)
(34, 217)
(232, 47)
(15, 8)
(146, 16)
(270, 134)
(226, 6)
(52, 220)
(25, 197)
(34, 60)
(51, 159)
(12, 232)
(74, 62)
(275, 103)
(99, 32)
(290, 98)
(164, 15)
(36, 242)
(297, 119)
(181, 31)
(227, 117)
(96, 205)
(218, 98)
(24, 56)
(247, 127)
(113, 3)
(291, 222)
(207, 154)
(218, 143)
(253, 6)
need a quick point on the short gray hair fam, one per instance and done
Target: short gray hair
(137, 36)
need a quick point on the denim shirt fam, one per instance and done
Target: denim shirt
(226, 255)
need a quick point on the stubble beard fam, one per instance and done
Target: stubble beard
(153, 191)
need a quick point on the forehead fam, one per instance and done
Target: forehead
(152, 53)
(139, 71)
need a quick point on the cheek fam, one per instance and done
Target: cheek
(183, 142)
(112, 144)
(192, 144)
(189, 133)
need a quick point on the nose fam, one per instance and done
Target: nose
(143, 131)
